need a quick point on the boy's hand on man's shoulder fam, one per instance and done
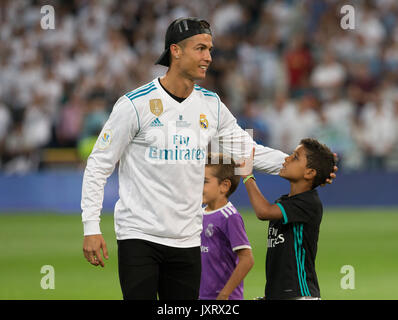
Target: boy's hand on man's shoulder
(245, 168)
(333, 174)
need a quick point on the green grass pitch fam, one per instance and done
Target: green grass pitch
(365, 239)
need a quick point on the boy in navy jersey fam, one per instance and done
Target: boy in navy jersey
(294, 222)
(225, 250)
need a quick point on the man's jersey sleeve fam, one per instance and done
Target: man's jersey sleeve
(117, 133)
(239, 144)
(299, 210)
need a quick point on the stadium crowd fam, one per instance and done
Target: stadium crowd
(285, 68)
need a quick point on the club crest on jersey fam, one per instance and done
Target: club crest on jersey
(209, 230)
(203, 121)
(156, 106)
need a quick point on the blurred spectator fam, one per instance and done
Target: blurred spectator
(306, 121)
(226, 16)
(19, 155)
(289, 121)
(278, 117)
(30, 131)
(37, 123)
(5, 121)
(328, 133)
(272, 76)
(370, 26)
(299, 63)
(95, 115)
(328, 76)
(117, 55)
(336, 129)
(390, 56)
(284, 15)
(5, 124)
(377, 132)
(361, 84)
(250, 118)
(235, 87)
(93, 121)
(70, 121)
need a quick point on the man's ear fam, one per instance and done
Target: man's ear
(309, 173)
(175, 51)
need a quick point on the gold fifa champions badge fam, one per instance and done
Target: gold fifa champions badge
(203, 121)
(156, 106)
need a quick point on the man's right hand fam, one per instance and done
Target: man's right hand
(92, 246)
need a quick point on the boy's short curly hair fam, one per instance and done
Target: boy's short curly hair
(224, 169)
(320, 158)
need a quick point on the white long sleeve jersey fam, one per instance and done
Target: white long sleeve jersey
(161, 146)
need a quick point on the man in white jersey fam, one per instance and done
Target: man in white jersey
(159, 133)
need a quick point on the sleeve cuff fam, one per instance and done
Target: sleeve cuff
(283, 213)
(91, 227)
(241, 247)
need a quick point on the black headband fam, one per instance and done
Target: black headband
(179, 30)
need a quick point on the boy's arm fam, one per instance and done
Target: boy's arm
(263, 209)
(246, 262)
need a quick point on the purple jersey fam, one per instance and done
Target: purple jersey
(223, 234)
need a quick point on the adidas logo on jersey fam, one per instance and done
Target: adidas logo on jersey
(156, 123)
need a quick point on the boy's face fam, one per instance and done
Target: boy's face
(295, 166)
(213, 190)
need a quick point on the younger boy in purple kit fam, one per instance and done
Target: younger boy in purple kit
(225, 249)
